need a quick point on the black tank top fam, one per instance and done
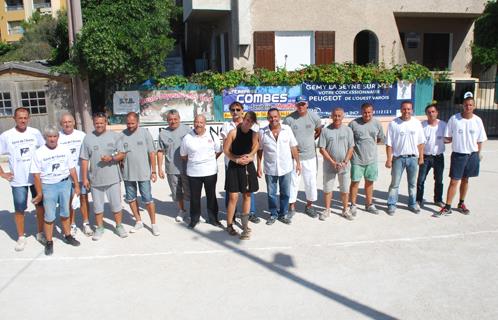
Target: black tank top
(242, 144)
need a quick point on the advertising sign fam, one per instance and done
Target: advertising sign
(189, 103)
(261, 99)
(386, 99)
(125, 101)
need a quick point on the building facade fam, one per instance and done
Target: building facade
(232, 34)
(14, 12)
(31, 85)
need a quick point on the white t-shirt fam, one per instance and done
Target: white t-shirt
(20, 147)
(52, 164)
(434, 137)
(277, 155)
(465, 133)
(405, 136)
(73, 142)
(201, 152)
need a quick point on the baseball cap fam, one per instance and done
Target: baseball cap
(468, 94)
(301, 98)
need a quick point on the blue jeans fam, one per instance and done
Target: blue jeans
(20, 195)
(56, 194)
(283, 183)
(131, 191)
(399, 165)
(436, 163)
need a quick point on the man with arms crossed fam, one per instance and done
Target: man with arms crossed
(100, 155)
(433, 155)
(405, 150)
(306, 126)
(466, 134)
(72, 139)
(279, 147)
(175, 167)
(367, 132)
(140, 158)
(51, 166)
(336, 145)
(20, 143)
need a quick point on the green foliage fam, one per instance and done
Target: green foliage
(36, 43)
(332, 73)
(124, 41)
(485, 46)
(5, 47)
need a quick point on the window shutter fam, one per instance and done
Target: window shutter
(324, 47)
(264, 50)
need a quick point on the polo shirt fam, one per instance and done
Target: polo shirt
(201, 153)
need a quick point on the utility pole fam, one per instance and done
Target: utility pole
(81, 89)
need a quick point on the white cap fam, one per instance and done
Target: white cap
(468, 94)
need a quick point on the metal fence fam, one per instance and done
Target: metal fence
(449, 96)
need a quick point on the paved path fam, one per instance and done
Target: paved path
(377, 267)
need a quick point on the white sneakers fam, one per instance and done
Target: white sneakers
(21, 243)
(138, 225)
(180, 217)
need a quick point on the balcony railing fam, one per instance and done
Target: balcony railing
(41, 5)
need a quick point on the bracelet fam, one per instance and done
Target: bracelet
(153, 172)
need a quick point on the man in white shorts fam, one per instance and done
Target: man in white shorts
(100, 156)
(336, 145)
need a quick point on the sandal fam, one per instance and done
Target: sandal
(231, 231)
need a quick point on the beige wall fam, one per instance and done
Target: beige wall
(348, 18)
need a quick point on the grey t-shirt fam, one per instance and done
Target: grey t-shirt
(169, 142)
(93, 148)
(304, 131)
(365, 140)
(137, 145)
(337, 141)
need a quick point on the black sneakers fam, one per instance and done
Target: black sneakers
(49, 248)
(69, 239)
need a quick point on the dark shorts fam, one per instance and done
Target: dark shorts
(464, 165)
(241, 178)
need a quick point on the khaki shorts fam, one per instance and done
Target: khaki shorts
(113, 193)
(329, 178)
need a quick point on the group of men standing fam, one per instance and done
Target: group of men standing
(63, 165)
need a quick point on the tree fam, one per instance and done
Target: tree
(36, 43)
(485, 47)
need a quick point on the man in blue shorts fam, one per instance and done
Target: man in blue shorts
(466, 134)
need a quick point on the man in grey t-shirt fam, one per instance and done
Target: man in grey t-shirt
(100, 155)
(140, 158)
(170, 140)
(306, 126)
(336, 146)
(368, 132)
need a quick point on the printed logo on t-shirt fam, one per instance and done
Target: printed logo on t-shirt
(73, 150)
(472, 131)
(295, 127)
(125, 145)
(23, 151)
(55, 166)
(308, 126)
(402, 133)
(95, 147)
(460, 131)
(140, 143)
(412, 132)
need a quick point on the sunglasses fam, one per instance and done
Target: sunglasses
(235, 110)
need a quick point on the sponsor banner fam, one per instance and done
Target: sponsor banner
(189, 103)
(125, 101)
(261, 99)
(386, 99)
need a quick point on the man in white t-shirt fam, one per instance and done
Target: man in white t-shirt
(20, 143)
(73, 139)
(433, 155)
(200, 149)
(51, 166)
(465, 131)
(405, 150)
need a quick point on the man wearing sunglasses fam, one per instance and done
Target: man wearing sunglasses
(237, 113)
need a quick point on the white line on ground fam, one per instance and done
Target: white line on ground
(222, 251)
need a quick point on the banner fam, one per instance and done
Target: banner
(261, 99)
(125, 101)
(189, 103)
(386, 99)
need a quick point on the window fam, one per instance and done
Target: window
(15, 27)
(41, 4)
(437, 51)
(13, 5)
(5, 104)
(34, 101)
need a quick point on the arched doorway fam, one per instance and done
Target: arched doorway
(366, 48)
